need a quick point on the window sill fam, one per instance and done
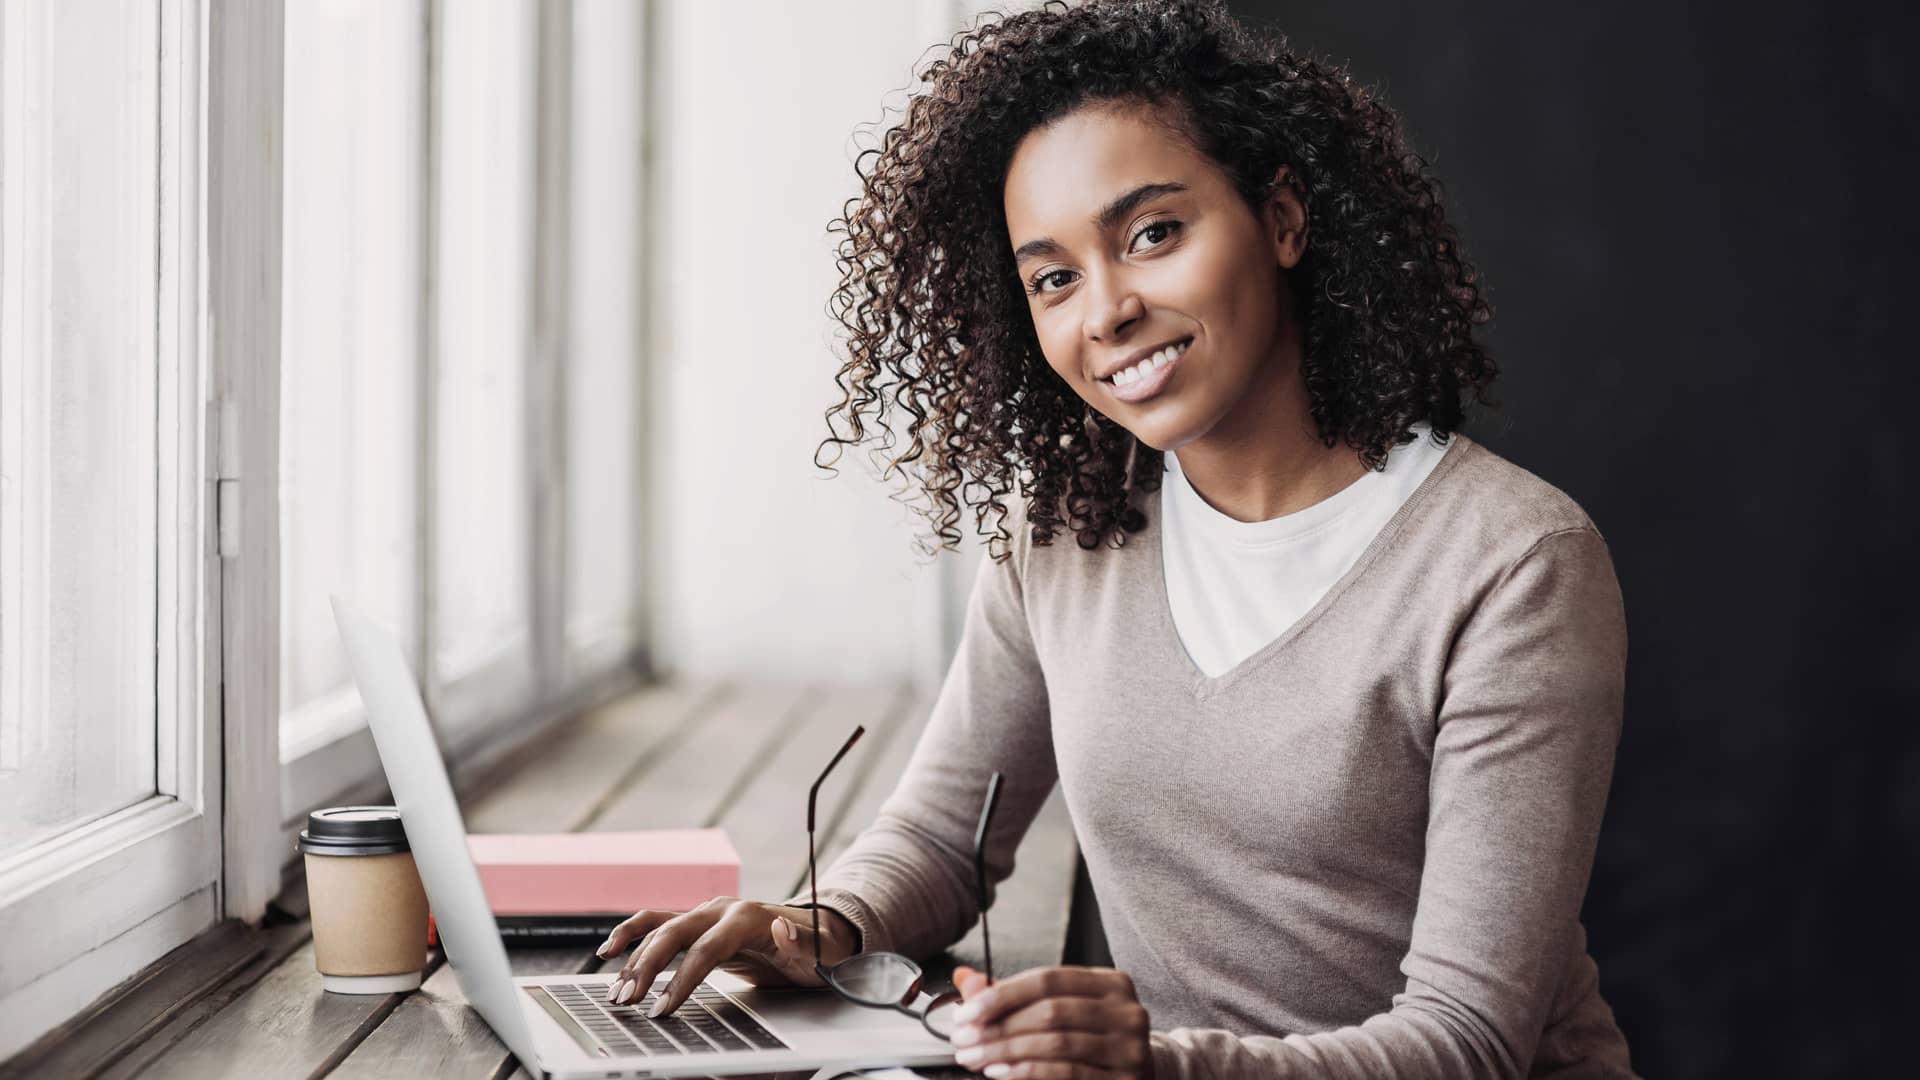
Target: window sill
(196, 979)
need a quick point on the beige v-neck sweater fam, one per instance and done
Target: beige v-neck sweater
(1360, 852)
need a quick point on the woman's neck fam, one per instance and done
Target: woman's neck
(1265, 459)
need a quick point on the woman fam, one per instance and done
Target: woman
(1332, 691)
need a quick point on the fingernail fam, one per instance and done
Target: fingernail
(970, 1055)
(783, 928)
(659, 1007)
(967, 1011)
(604, 946)
(623, 991)
(966, 1035)
(999, 1069)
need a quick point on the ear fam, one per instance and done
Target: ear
(1285, 217)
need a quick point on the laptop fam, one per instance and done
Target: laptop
(561, 1025)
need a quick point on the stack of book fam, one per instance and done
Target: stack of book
(574, 888)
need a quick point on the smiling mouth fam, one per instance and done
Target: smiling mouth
(1145, 369)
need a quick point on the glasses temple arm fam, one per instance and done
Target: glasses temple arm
(813, 800)
(980, 865)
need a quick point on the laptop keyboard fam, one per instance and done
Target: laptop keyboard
(706, 1023)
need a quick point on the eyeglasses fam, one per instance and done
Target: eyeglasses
(888, 980)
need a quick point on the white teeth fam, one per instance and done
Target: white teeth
(1148, 366)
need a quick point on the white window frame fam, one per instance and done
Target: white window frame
(246, 46)
(81, 912)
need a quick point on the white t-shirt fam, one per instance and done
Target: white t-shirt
(1236, 585)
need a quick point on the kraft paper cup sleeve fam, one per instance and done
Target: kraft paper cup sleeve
(369, 914)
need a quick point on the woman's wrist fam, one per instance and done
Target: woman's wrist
(835, 925)
(841, 927)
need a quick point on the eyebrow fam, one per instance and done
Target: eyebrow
(1106, 219)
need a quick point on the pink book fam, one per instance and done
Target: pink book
(604, 872)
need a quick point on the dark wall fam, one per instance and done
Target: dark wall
(1697, 225)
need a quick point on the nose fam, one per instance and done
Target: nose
(1114, 306)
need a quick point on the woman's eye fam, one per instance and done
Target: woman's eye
(1038, 285)
(1163, 228)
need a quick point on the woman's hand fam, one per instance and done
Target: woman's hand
(765, 944)
(1052, 1024)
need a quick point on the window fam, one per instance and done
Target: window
(484, 502)
(284, 313)
(80, 377)
(105, 770)
(350, 339)
(605, 291)
(457, 425)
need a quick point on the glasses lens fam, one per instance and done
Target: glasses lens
(877, 978)
(939, 1018)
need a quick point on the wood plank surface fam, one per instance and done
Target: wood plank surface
(285, 1025)
(279, 939)
(565, 785)
(138, 1012)
(690, 785)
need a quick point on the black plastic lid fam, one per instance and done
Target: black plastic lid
(353, 830)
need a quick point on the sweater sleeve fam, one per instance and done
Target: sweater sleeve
(1522, 757)
(907, 881)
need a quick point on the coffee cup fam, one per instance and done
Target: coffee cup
(368, 908)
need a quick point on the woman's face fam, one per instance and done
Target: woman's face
(1128, 240)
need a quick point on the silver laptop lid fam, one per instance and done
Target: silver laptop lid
(468, 934)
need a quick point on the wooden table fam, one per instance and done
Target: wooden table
(248, 1002)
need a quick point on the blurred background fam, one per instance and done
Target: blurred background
(555, 353)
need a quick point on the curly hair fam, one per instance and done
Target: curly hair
(938, 325)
